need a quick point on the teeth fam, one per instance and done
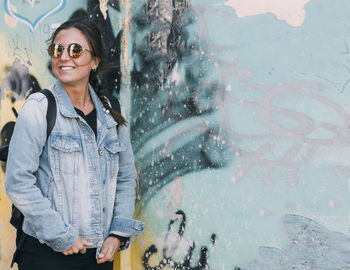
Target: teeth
(66, 68)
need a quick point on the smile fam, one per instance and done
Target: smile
(66, 68)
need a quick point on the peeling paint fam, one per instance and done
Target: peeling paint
(104, 8)
(291, 11)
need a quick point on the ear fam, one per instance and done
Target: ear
(96, 61)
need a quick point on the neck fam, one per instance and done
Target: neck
(80, 97)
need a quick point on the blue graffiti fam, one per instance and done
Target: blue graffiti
(23, 19)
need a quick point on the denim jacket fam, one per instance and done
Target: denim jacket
(71, 184)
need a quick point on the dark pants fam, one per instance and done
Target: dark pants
(37, 256)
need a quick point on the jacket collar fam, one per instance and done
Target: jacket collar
(66, 107)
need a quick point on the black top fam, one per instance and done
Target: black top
(90, 118)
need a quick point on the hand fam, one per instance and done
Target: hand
(78, 246)
(109, 249)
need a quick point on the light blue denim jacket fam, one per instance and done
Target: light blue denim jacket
(72, 184)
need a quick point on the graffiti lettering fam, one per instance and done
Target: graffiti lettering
(22, 45)
(171, 245)
(21, 48)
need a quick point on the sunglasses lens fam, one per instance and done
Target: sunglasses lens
(75, 50)
(55, 50)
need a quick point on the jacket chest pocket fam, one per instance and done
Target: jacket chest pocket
(66, 153)
(113, 150)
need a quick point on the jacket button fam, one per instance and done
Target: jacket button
(104, 209)
(101, 152)
(104, 182)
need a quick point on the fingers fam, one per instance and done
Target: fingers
(107, 254)
(108, 257)
(71, 251)
(102, 256)
(109, 248)
(79, 246)
(86, 243)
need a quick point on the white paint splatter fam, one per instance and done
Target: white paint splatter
(334, 203)
(228, 87)
(291, 11)
(171, 213)
(176, 77)
(173, 245)
(104, 8)
(177, 192)
(55, 25)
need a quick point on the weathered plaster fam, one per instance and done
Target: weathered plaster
(291, 11)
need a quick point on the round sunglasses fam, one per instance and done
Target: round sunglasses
(75, 50)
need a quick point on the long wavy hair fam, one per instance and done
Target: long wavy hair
(93, 36)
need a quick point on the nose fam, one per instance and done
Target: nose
(65, 55)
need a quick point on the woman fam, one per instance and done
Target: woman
(77, 188)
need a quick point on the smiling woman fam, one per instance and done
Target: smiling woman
(76, 189)
(72, 66)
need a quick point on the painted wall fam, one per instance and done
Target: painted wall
(239, 115)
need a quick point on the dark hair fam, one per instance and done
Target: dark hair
(93, 36)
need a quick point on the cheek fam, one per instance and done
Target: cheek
(54, 67)
(54, 63)
(82, 62)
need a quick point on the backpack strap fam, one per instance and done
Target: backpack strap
(50, 118)
(51, 111)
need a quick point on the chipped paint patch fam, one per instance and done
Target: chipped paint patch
(291, 11)
(104, 8)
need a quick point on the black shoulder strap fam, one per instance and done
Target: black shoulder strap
(50, 118)
(51, 111)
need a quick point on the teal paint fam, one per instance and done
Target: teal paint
(266, 138)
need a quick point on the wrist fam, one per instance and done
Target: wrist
(124, 241)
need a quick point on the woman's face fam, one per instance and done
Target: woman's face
(73, 71)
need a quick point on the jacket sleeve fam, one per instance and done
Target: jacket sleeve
(26, 146)
(124, 204)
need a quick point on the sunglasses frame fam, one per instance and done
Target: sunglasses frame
(51, 49)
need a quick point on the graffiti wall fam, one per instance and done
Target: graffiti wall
(239, 113)
(240, 124)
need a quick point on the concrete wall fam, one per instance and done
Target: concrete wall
(239, 116)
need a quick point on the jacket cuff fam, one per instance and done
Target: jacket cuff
(66, 242)
(126, 227)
